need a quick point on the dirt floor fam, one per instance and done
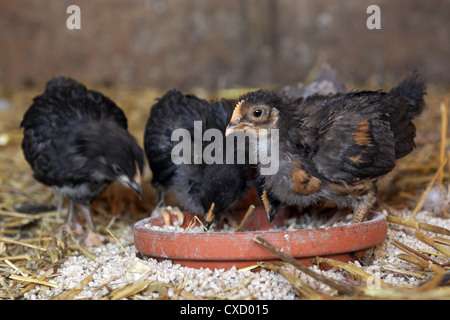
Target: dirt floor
(37, 263)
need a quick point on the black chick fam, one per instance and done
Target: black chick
(327, 82)
(201, 188)
(76, 141)
(333, 149)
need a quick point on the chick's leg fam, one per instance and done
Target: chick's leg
(72, 226)
(92, 238)
(72, 221)
(86, 210)
(160, 204)
(59, 202)
(359, 215)
(362, 208)
(70, 214)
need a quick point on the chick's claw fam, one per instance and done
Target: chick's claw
(95, 239)
(359, 215)
(168, 211)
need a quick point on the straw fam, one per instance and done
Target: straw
(12, 241)
(427, 190)
(356, 271)
(421, 263)
(121, 246)
(300, 287)
(439, 247)
(246, 217)
(418, 225)
(287, 258)
(28, 279)
(444, 122)
(412, 252)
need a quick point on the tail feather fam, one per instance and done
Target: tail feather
(410, 92)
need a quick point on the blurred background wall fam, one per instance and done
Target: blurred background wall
(216, 44)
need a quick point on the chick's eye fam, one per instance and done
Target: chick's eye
(116, 168)
(257, 113)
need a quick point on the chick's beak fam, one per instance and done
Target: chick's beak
(233, 128)
(136, 184)
(235, 122)
(209, 217)
(230, 129)
(235, 125)
(137, 188)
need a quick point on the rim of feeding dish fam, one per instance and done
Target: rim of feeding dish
(227, 249)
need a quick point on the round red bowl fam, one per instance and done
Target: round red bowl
(223, 250)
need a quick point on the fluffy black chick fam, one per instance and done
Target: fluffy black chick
(332, 149)
(76, 141)
(199, 187)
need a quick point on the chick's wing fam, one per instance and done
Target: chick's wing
(354, 140)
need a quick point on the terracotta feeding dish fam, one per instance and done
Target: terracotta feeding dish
(228, 249)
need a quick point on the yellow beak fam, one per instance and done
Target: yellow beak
(230, 129)
(210, 215)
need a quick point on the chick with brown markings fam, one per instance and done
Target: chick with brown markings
(332, 149)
